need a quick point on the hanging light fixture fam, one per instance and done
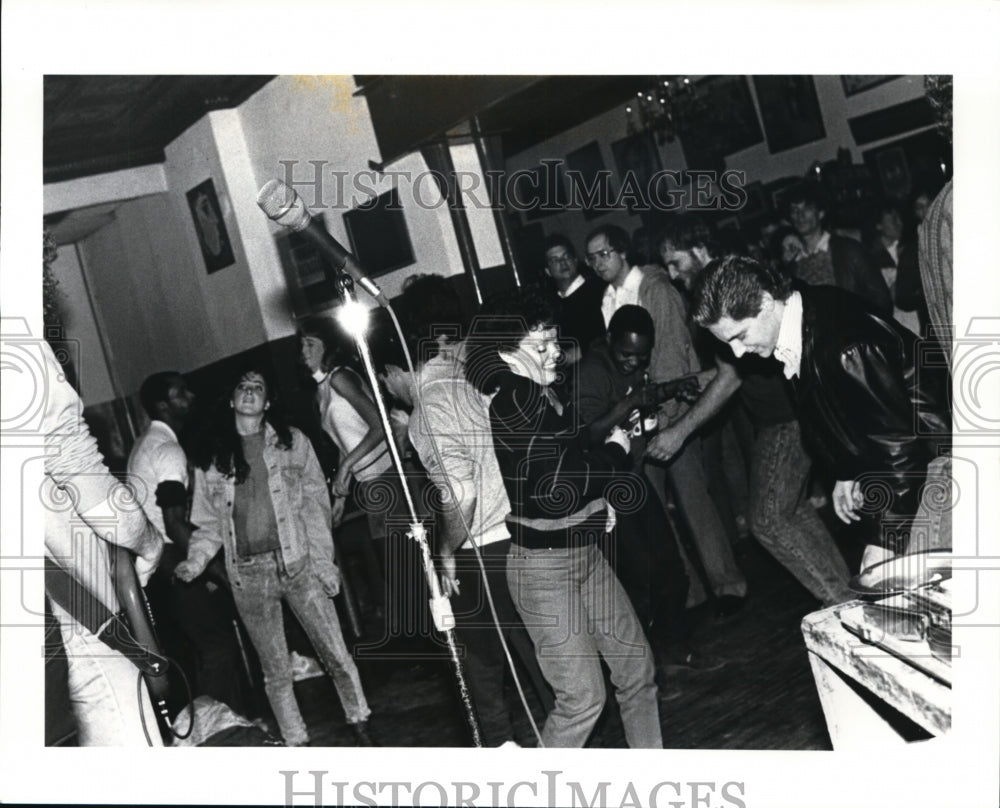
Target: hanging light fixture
(662, 107)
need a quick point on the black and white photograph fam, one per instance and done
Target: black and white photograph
(345, 438)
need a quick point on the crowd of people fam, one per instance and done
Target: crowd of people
(598, 445)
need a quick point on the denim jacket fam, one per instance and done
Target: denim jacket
(301, 509)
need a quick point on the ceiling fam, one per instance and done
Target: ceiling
(97, 124)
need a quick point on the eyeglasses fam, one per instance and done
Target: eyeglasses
(561, 260)
(600, 255)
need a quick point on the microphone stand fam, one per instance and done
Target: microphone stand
(440, 605)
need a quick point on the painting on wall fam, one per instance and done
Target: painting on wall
(586, 173)
(858, 84)
(790, 111)
(379, 237)
(721, 120)
(209, 224)
(638, 159)
(540, 191)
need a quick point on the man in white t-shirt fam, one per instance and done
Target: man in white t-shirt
(194, 620)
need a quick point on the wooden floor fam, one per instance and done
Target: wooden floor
(764, 698)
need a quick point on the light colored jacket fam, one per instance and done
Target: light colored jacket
(673, 352)
(301, 511)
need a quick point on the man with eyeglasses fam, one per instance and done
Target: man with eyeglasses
(578, 308)
(673, 356)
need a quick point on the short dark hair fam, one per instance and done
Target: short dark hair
(685, 232)
(733, 287)
(558, 240)
(630, 319)
(504, 320)
(805, 191)
(430, 304)
(618, 239)
(155, 389)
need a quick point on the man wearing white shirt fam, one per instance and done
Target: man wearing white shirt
(195, 616)
(673, 356)
(866, 414)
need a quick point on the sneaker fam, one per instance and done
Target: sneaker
(509, 745)
(304, 667)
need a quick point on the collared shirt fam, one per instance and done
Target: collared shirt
(823, 245)
(788, 348)
(625, 295)
(578, 281)
(157, 457)
(893, 250)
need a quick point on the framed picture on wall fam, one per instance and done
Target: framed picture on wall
(210, 226)
(721, 120)
(379, 237)
(858, 84)
(638, 159)
(587, 176)
(790, 111)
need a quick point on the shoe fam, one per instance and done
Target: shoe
(728, 605)
(511, 744)
(691, 660)
(361, 736)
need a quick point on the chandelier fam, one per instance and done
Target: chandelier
(663, 108)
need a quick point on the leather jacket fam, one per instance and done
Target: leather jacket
(864, 407)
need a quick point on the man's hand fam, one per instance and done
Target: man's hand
(847, 499)
(666, 444)
(449, 580)
(342, 482)
(146, 564)
(188, 570)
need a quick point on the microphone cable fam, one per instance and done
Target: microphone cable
(418, 398)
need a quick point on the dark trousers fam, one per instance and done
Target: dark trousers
(485, 663)
(644, 554)
(195, 627)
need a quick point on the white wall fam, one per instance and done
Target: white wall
(157, 304)
(316, 121)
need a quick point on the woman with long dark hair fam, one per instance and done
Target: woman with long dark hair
(263, 498)
(573, 606)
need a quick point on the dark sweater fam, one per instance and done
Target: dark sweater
(555, 483)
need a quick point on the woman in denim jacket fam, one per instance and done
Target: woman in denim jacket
(264, 500)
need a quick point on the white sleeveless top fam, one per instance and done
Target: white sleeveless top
(347, 428)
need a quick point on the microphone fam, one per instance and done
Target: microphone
(281, 204)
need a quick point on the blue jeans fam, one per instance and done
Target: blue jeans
(264, 584)
(785, 522)
(577, 613)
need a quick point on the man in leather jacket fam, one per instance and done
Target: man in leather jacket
(872, 411)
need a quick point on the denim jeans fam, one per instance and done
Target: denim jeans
(264, 584)
(785, 522)
(577, 613)
(485, 661)
(686, 473)
(110, 709)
